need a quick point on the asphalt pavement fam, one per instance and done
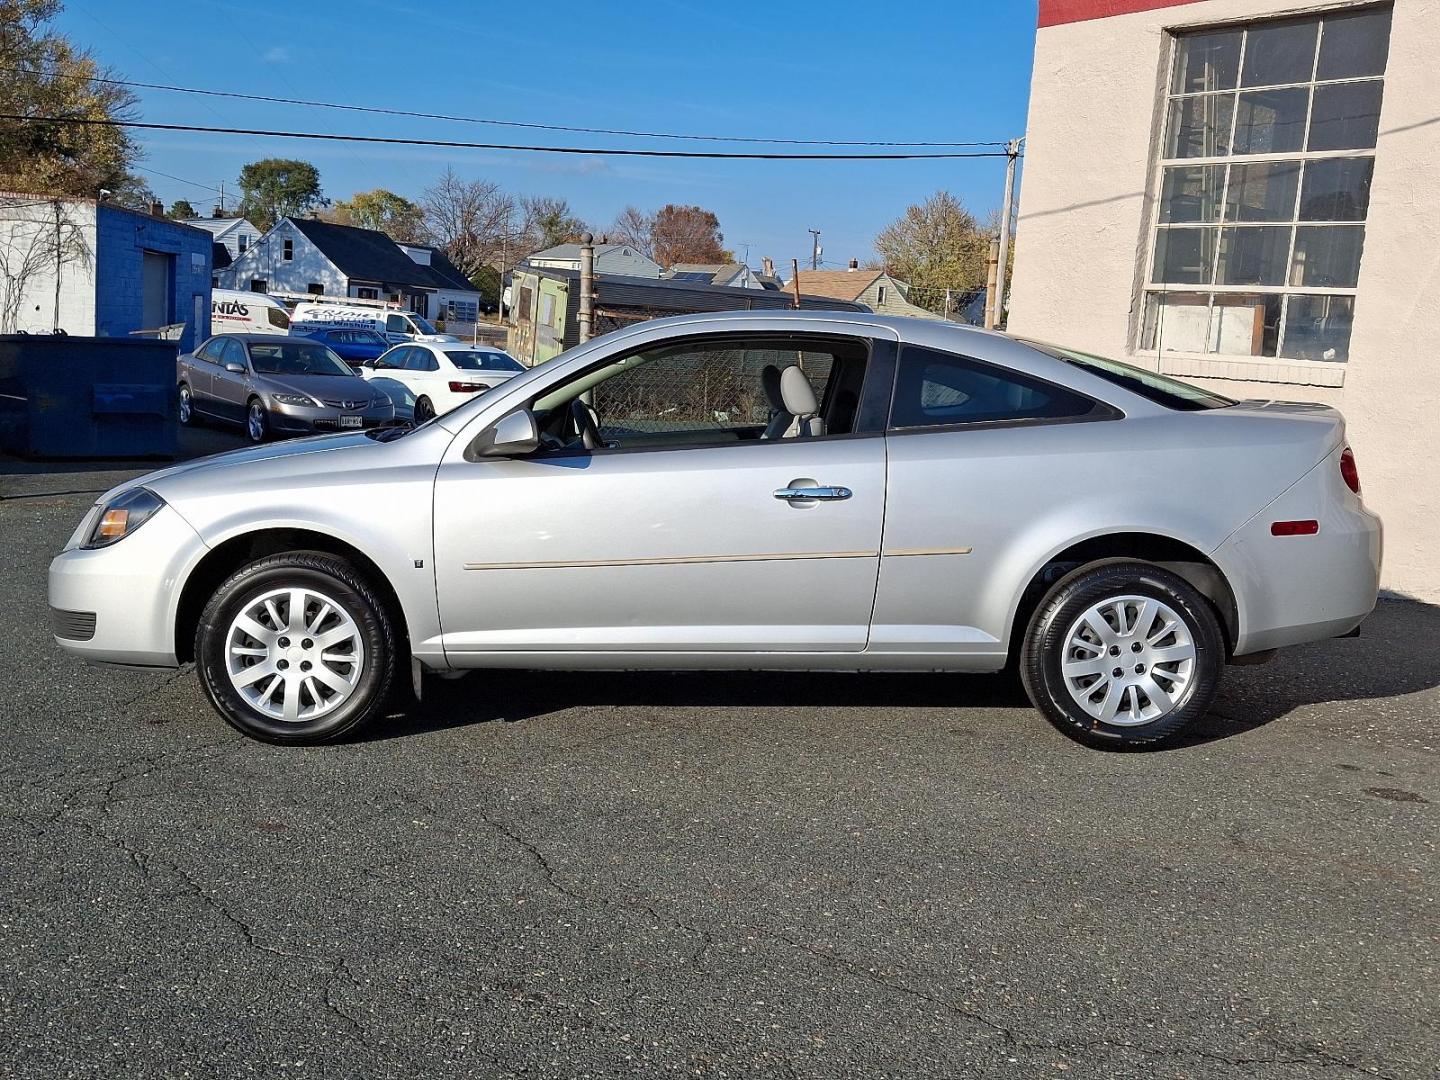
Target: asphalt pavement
(594, 875)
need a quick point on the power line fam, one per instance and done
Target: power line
(177, 179)
(481, 120)
(591, 150)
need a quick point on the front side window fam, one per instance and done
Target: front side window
(1264, 185)
(277, 318)
(395, 324)
(938, 389)
(421, 326)
(712, 392)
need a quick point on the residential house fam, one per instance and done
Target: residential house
(1242, 193)
(727, 275)
(234, 234)
(875, 289)
(305, 256)
(97, 270)
(545, 305)
(621, 259)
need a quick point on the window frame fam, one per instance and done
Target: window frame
(1099, 410)
(877, 383)
(1151, 291)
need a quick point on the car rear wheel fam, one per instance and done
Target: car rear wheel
(424, 410)
(257, 421)
(187, 406)
(296, 648)
(1124, 651)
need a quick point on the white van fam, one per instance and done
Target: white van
(394, 326)
(236, 312)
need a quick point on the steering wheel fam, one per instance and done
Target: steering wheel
(584, 419)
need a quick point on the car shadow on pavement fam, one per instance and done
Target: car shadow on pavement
(1396, 654)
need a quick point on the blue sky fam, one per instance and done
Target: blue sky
(925, 70)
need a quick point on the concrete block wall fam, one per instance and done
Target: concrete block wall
(122, 238)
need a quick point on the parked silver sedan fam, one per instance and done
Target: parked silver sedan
(276, 386)
(778, 490)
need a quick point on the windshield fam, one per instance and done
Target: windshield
(1172, 393)
(423, 326)
(295, 358)
(472, 360)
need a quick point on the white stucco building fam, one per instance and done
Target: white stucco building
(1244, 194)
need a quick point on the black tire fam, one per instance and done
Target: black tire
(257, 421)
(337, 580)
(424, 410)
(185, 411)
(1046, 643)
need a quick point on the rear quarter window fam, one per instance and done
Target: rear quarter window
(939, 389)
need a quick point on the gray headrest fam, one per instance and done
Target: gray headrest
(798, 394)
(770, 384)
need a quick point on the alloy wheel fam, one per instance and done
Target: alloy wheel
(1128, 660)
(294, 654)
(255, 421)
(186, 409)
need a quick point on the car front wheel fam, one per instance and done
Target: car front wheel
(257, 421)
(187, 406)
(424, 410)
(296, 648)
(1123, 651)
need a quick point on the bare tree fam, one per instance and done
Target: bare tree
(473, 221)
(35, 237)
(636, 229)
(546, 221)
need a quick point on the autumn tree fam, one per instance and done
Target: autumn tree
(47, 76)
(181, 210)
(686, 234)
(936, 245)
(383, 210)
(276, 188)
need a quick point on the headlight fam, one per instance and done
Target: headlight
(295, 399)
(122, 515)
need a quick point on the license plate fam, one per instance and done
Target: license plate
(352, 421)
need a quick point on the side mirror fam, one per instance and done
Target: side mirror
(514, 435)
(232, 366)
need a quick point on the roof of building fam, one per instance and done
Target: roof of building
(572, 251)
(443, 268)
(715, 273)
(840, 284)
(669, 294)
(371, 255)
(217, 226)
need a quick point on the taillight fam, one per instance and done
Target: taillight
(467, 387)
(1348, 470)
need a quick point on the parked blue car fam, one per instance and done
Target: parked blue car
(352, 346)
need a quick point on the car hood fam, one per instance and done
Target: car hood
(324, 387)
(166, 481)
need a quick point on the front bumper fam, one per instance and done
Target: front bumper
(305, 420)
(131, 590)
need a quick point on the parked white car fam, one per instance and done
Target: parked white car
(394, 326)
(436, 376)
(233, 311)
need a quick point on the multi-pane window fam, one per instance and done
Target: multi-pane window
(1267, 155)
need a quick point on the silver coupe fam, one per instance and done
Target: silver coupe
(777, 490)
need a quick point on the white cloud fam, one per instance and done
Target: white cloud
(278, 55)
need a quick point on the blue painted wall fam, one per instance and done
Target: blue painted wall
(121, 239)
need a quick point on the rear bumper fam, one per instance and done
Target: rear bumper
(118, 604)
(1294, 589)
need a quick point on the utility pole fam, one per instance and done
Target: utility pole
(991, 262)
(222, 198)
(1012, 153)
(815, 249)
(795, 281)
(587, 286)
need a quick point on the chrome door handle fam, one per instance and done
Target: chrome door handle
(822, 491)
